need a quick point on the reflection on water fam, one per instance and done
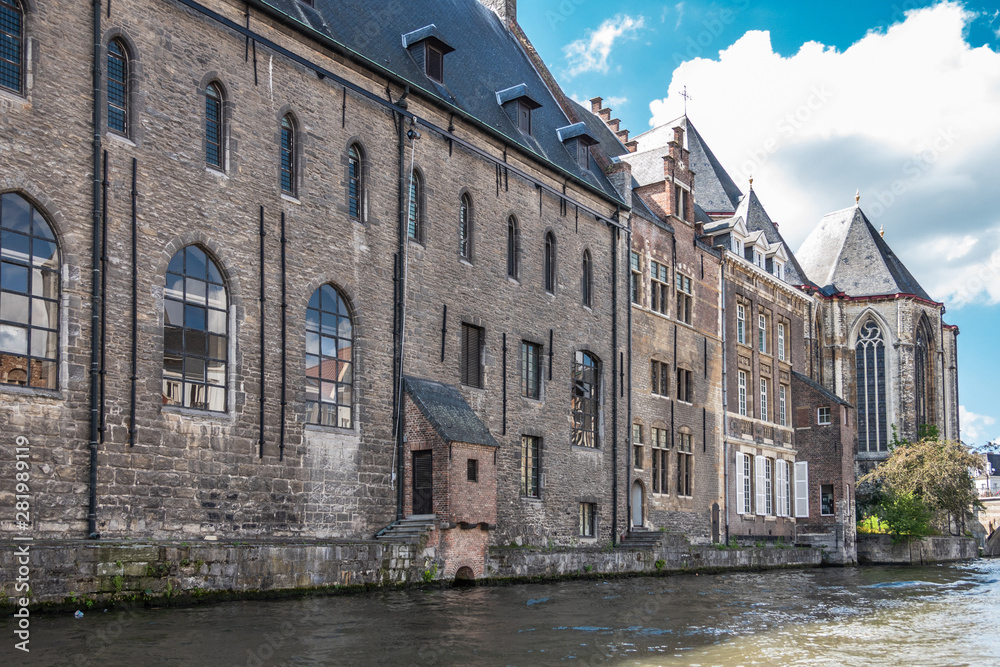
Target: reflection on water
(944, 615)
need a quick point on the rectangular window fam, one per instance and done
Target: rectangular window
(760, 485)
(685, 385)
(684, 298)
(435, 63)
(741, 323)
(762, 333)
(660, 378)
(637, 446)
(769, 486)
(472, 356)
(743, 393)
(636, 279)
(685, 465)
(659, 444)
(531, 370)
(744, 483)
(826, 499)
(585, 403)
(523, 117)
(758, 258)
(587, 519)
(823, 417)
(802, 489)
(636, 434)
(472, 469)
(781, 487)
(783, 405)
(530, 449)
(736, 245)
(781, 341)
(763, 400)
(659, 285)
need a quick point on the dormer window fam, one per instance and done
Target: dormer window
(428, 48)
(518, 105)
(758, 258)
(779, 269)
(736, 245)
(578, 140)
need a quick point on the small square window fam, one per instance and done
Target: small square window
(473, 470)
(823, 417)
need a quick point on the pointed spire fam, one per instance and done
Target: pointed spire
(857, 197)
(751, 181)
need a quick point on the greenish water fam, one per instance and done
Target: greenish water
(944, 615)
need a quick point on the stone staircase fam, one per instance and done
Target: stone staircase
(643, 539)
(409, 530)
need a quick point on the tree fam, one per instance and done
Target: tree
(907, 515)
(937, 472)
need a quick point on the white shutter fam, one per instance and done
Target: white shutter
(741, 496)
(802, 489)
(761, 492)
(782, 474)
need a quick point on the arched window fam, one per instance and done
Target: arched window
(11, 45)
(587, 280)
(29, 295)
(922, 367)
(415, 225)
(195, 332)
(355, 182)
(215, 136)
(118, 88)
(513, 247)
(549, 263)
(329, 359)
(288, 175)
(870, 367)
(586, 399)
(465, 228)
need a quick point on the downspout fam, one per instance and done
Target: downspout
(630, 464)
(725, 398)
(95, 283)
(397, 334)
(614, 385)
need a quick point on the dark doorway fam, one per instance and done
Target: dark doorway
(423, 482)
(715, 522)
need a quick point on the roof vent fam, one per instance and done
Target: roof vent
(428, 48)
(577, 139)
(518, 104)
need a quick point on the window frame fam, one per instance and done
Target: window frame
(341, 386)
(215, 151)
(472, 470)
(659, 287)
(823, 500)
(659, 375)
(742, 393)
(288, 173)
(820, 411)
(764, 403)
(685, 385)
(587, 525)
(433, 56)
(762, 341)
(685, 298)
(660, 455)
(549, 268)
(531, 370)
(783, 405)
(123, 55)
(16, 7)
(414, 216)
(357, 203)
(585, 400)
(685, 465)
(531, 466)
(465, 359)
(587, 280)
(513, 248)
(781, 341)
(465, 230)
(635, 287)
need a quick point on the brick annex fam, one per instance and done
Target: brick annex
(304, 270)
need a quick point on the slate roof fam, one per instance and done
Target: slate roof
(487, 59)
(826, 393)
(449, 413)
(994, 461)
(757, 220)
(845, 254)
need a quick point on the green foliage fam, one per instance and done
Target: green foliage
(759, 544)
(872, 525)
(430, 573)
(659, 564)
(588, 568)
(907, 515)
(118, 582)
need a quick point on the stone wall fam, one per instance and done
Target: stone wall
(879, 550)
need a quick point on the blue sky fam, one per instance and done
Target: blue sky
(900, 100)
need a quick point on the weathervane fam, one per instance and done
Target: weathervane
(686, 97)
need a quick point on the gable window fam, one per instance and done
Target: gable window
(214, 131)
(531, 370)
(472, 356)
(549, 263)
(12, 40)
(355, 182)
(329, 359)
(783, 405)
(781, 341)
(743, 393)
(685, 385)
(660, 378)
(636, 278)
(587, 515)
(530, 450)
(762, 333)
(758, 258)
(763, 400)
(660, 446)
(434, 62)
(583, 154)
(118, 75)
(741, 323)
(684, 298)
(779, 270)
(523, 117)
(195, 332)
(587, 280)
(288, 175)
(685, 465)
(823, 417)
(414, 223)
(465, 228)
(659, 286)
(870, 375)
(736, 245)
(29, 295)
(586, 402)
(513, 248)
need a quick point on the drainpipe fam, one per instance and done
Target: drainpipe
(95, 284)
(397, 334)
(614, 384)
(629, 464)
(725, 399)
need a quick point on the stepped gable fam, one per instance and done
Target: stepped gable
(487, 58)
(756, 219)
(452, 417)
(845, 253)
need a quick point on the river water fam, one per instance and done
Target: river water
(943, 615)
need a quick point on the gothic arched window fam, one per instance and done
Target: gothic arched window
(29, 295)
(214, 130)
(329, 359)
(922, 374)
(415, 223)
(513, 247)
(355, 182)
(288, 175)
(118, 92)
(871, 404)
(549, 263)
(587, 280)
(465, 228)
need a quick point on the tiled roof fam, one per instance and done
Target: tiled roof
(826, 393)
(449, 413)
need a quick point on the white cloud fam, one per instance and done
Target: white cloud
(974, 427)
(591, 53)
(615, 102)
(680, 14)
(908, 115)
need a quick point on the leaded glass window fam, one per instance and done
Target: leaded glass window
(288, 155)
(355, 182)
(118, 74)
(870, 374)
(29, 295)
(549, 263)
(414, 223)
(586, 402)
(329, 359)
(11, 45)
(213, 126)
(465, 228)
(921, 375)
(513, 247)
(587, 280)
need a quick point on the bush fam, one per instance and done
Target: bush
(907, 516)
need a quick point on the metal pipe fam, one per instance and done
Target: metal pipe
(504, 384)
(135, 304)
(284, 341)
(95, 279)
(725, 398)
(444, 331)
(400, 278)
(104, 294)
(629, 463)
(263, 355)
(614, 381)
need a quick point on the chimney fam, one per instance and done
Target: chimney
(505, 9)
(596, 104)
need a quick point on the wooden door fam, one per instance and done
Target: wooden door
(423, 482)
